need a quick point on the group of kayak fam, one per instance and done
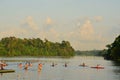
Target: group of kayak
(28, 64)
(20, 65)
(96, 67)
(65, 65)
(82, 65)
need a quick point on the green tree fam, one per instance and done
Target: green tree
(12, 46)
(113, 51)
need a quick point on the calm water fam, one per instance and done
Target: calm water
(59, 72)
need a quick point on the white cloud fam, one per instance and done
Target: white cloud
(78, 24)
(98, 18)
(51, 35)
(86, 30)
(85, 37)
(49, 21)
(48, 24)
(30, 23)
(17, 32)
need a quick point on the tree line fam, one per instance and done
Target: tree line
(12, 46)
(113, 51)
(91, 53)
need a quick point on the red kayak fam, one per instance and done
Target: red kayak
(98, 67)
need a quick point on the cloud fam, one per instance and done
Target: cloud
(17, 32)
(49, 21)
(78, 24)
(98, 18)
(52, 35)
(48, 25)
(84, 37)
(86, 30)
(30, 23)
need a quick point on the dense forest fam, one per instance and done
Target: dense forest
(12, 46)
(113, 52)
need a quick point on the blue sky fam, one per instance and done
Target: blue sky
(87, 24)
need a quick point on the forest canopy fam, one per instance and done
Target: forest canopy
(12, 46)
(113, 52)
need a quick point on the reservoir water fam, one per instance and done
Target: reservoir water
(73, 71)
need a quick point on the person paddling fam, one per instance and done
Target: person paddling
(83, 64)
(65, 64)
(39, 67)
(26, 66)
(98, 65)
(2, 65)
(20, 65)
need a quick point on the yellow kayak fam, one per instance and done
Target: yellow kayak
(7, 70)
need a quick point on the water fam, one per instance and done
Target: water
(72, 72)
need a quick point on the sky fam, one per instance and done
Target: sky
(86, 24)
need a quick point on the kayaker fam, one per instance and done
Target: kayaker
(65, 64)
(30, 64)
(39, 67)
(1, 65)
(83, 64)
(98, 65)
(26, 66)
(20, 65)
(53, 64)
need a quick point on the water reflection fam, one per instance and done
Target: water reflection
(116, 63)
(116, 69)
(1, 74)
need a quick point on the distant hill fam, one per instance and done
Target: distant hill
(91, 53)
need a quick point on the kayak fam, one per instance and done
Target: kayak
(83, 65)
(98, 67)
(7, 70)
